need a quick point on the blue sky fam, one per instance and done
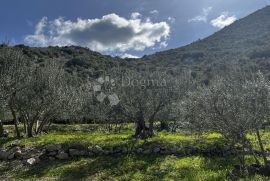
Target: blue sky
(118, 27)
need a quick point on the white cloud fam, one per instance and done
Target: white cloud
(109, 33)
(163, 44)
(154, 12)
(41, 25)
(202, 17)
(223, 20)
(126, 55)
(135, 15)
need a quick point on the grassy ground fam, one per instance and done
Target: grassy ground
(105, 139)
(129, 167)
(125, 167)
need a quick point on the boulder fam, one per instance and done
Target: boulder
(32, 161)
(74, 152)
(53, 147)
(62, 156)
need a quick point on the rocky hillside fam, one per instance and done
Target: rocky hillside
(245, 42)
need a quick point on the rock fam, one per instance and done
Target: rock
(163, 148)
(147, 151)
(62, 156)
(16, 151)
(32, 161)
(77, 146)
(15, 143)
(53, 153)
(139, 150)
(111, 150)
(96, 149)
(53, 147)
(18, 154)
(51, 158)
(174, 150)
(124, 150)
(265, 171)
(43, 157)
(117, 150)
(74, 152)
(5, 133)
(165, 152)
(156, 150)
(3, 155)
(11, 156)
(253, 169)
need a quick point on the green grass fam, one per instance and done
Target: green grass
(115, 139)
(125, 167)
(129, 167)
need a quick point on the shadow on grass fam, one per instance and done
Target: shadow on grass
(105, 167)
(132, 167)
(4, 141)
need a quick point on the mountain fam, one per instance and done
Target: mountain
(245, 42)
(79, 61)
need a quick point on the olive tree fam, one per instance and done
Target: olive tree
(47, 95)
(143, 95)
(100, 101)
(172, 116)
(257, 107)
(233, 106)
(14, 72)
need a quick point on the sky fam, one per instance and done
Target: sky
(125, 28)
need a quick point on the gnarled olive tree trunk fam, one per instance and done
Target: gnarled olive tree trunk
(13, 112)
(143, 130)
